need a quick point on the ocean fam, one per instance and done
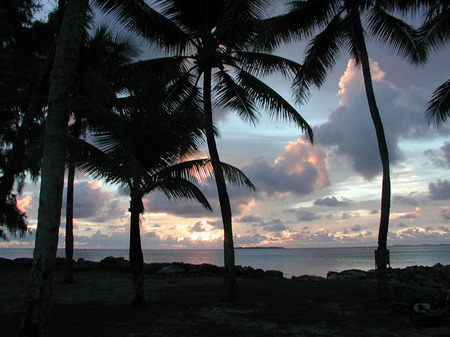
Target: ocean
(292, 262)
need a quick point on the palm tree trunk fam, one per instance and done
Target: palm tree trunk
(382, 252)
(68, 268)
(136, 256)
(37, 311)
(230, 289)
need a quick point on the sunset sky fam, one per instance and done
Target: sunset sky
(321, 195)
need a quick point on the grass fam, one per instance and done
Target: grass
(98, 304)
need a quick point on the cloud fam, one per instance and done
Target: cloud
(332, 202)
(305, 215)
(439, 190)
(300, 169)
(353, 229)
(94, 203)
(402, 200)
(275, 225)
(350, 130)
(410, 215)
(251, 218)
(445, 212)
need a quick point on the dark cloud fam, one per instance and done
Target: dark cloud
(332, 202)
(439, 190)
(446, 150)
(251, 218)
(402, 200)
(304, 215)
(275, 225)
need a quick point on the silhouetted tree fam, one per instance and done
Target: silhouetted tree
(215, 37)
(143, 145)
(340, 26)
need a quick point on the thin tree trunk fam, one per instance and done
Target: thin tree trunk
(382, 253)
(68, 268)
(37, 311)
(230, 290)
(136, 256)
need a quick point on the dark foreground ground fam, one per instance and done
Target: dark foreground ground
(98, 304)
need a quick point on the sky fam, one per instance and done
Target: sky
(325, 194)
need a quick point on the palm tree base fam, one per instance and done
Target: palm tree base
(139, 302)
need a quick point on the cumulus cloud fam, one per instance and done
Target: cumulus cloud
(332, 202)
(300, 169)
(439, 190)
(350, 130)
(409, 215)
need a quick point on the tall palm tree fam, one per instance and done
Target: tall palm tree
(37, 313)
(143, 144)
(214, 37)
(347, 24)
(102, 56)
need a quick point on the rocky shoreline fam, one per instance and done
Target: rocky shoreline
(435, 276)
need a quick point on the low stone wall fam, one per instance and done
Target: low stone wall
(435, 276)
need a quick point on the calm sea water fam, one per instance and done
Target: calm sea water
(292, 262)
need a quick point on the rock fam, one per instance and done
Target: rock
(115, 263)
(7, 263)
(171, 270)
(83, 264)
(210, 269)
(274, 273)
(308, 278)
(353, 274)
(24, 262)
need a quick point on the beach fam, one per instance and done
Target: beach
(98, 304)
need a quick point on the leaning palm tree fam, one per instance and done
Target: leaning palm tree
(346, 24)
(142, 146)
(214, 38)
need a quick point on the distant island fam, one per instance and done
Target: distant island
(257, 247)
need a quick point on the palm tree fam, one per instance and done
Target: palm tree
(341, 26)
(142, 145)
(214, 37)
(102, 55)
(37, 313)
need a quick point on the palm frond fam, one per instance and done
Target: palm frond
(178, 189)
(144, 20)
(263, 64)
(235, 176)
(273, 102)
(299, 23)
(435, 32)
(231, 95)
(438, 109)
(320, 56)
(403, 38)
